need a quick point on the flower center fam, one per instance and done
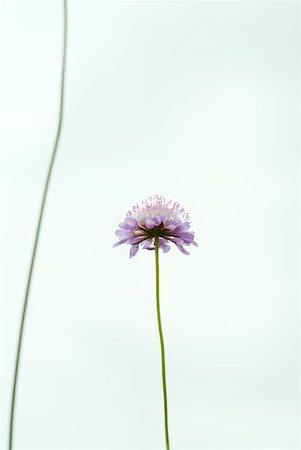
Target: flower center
(157, 232)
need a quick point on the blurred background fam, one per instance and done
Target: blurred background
(198, 102)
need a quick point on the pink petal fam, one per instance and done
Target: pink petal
(187, 237)
(148, 243)
(123, 225)
(182, 249)
(124, 233)
(170, 222)
(165, 247)
(134, 249)
(136, 239)
(179, 243)
(183, 227)
(129, 224)
(119, 243)
(150, 223)
(170, 227)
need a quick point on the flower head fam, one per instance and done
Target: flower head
(156, 218)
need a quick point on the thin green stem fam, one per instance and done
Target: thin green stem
(38, 229)
(162, 343)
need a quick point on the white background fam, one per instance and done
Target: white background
(196, 101)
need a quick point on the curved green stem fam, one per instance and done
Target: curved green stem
(162, 343)
(38, 229)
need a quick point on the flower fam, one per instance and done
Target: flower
(156, 218)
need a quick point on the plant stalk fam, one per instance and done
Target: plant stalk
(38, 229)
(161, 343)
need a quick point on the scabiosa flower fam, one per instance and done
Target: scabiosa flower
(156, 218)
(154, 225)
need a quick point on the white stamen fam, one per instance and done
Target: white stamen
(157, 206)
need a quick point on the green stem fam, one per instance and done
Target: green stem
(161, 342)
(38, 229)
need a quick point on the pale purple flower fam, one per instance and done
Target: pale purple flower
(156, 218)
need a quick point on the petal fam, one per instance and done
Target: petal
(174, 239)
(182, 249)
(150, 223)
(148, 243)
(170, 227)
(134, 249)
(119, 243)
(171, 221)
(129, 224)
(165, 247)
(182, 227)
(124, 233)
(179, 243)
(187, 237)
(137, 239)
(123, 225)
(164, 219)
